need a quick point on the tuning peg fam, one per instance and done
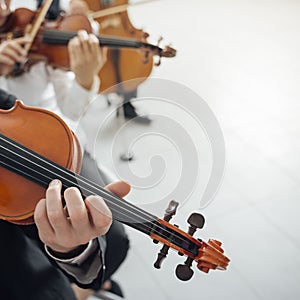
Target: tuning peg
(159, 40)
(158, 62)
(161, 256)
(196, 221)
(146, 57)
(184, 272)
(169, 213)
(171, 210)
(145, 35)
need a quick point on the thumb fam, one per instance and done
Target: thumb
(119, 188)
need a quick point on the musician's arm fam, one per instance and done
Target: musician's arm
(85, 269)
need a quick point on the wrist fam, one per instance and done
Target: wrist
(89, 250)
(86, 83)
(66, 254)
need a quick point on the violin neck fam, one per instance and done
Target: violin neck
(57, 37)
(29, 164)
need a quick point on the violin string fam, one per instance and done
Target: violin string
(147, 227)
(49, 178)
(42, 174)
(70, 174)
(77, 177)
(85, 181)
(63, 37)
(158, 225)
(74, 177)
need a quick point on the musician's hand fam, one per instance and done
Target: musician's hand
(86, 58)
(64, 229)
(11, 52)
(4, 11)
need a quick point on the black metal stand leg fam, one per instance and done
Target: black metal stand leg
(127, 155)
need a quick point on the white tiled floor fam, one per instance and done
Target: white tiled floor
(242, 57)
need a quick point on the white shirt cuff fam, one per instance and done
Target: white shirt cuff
(77, 259)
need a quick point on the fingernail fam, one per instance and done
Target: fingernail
(84, 34)
(54, 182)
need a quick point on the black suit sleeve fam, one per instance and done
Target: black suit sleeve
(7, 100)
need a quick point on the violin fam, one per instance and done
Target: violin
(29, 162)
(50, 41)
(122, 65)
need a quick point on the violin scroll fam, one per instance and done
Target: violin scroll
(208, 255)
(156, 50)
(168, 52)
(211, 256)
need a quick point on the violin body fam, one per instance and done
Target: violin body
(122, 65)
(45, 133)
(19, 21)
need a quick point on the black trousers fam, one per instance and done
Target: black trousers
(26, 273)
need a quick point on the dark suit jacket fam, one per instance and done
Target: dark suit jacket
(6, 100)
(26, 271)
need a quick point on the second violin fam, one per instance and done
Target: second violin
(50, 42)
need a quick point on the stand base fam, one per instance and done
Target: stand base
(126, 156)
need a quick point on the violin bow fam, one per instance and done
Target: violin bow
(37, 24)
(116, 9)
